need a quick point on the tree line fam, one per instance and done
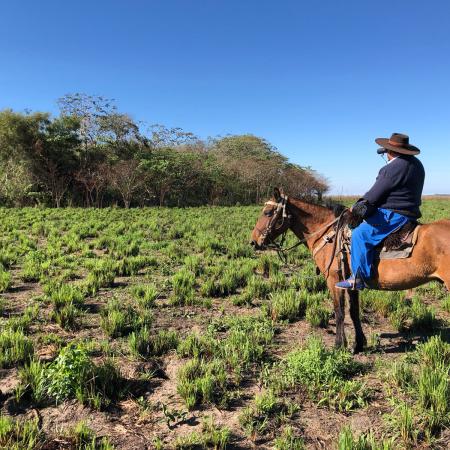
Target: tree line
(93, 155)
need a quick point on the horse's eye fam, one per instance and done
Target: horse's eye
(268, 213)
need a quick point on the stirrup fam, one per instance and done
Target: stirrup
(352, 284)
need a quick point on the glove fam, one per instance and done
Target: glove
(363, 209)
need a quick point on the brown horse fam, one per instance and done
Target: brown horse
(430, 259)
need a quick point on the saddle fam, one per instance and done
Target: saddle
(397, 245)
(400, 244)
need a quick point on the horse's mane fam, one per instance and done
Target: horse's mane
(327, 203)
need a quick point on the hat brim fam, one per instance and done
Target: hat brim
(408, 150)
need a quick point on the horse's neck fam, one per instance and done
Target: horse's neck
(308, 218)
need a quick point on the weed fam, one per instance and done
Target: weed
(211, 436)
(74, 375)
(143, 344)
(67, 316)
(268, 412)
(19, 435)
(145, 295)
(183, 288)
(323, 373)
(446, 303)
(84, 438)
(202, 382)
(5, 279)
(316, 314)
(15, 348)
(119, 320)
(347, 441)
(288, 440)
(423, 318)
(288, 305)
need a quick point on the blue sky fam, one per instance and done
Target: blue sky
(319, 79)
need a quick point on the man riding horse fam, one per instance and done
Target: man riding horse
(392, 201)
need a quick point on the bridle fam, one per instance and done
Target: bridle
(281, 208)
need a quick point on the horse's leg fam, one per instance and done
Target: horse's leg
(339, 313)
(360, 339)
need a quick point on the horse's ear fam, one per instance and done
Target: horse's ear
(277, 194)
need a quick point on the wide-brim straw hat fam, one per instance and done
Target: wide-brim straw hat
(398, 143)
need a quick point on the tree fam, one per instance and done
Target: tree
(54, 157)
(126, 177)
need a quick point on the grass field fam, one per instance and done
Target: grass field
(160, 329)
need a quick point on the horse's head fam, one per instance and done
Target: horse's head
(274, 221)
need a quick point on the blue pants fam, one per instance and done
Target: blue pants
(368, 235)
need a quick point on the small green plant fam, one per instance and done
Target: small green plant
(5, 279)
(325, 374)
(19, 435)
(211, 436)
(287, 305)
(288, 440)
(15, 348)
(84, 438)
(316, 314)
(145, 344)
(145, 295)
(446, 303)
(347, 441)
(423, 317)
(183, 288)
(119, 320)
(268, 412)
(195, 345)
(23, 321)
(67, 316)
(202, 382)
(402, 420)
(424, 376)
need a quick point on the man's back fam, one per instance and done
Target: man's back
(399, 186)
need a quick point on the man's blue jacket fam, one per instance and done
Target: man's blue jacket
(399, 186)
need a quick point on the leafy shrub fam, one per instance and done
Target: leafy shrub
(72, 375)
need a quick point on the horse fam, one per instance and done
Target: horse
(312, 223)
